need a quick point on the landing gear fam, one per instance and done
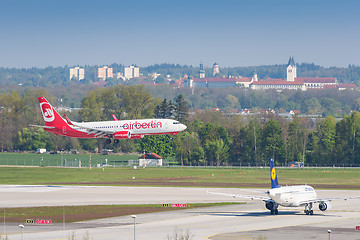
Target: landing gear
(274, 211)
(272, 206)
(108, 141)
(116, 141)
(308, 209)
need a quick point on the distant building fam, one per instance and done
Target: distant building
(154, 75)
(343, 86)
(202, 71)
(215, 69)
(77, 73)
(150, 160)
(105, 73)
(293, 82)
(291, 70)
(131, 72)
(218, 82)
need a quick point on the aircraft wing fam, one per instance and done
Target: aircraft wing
(241, 196)
(47, 127)
(317, 200)
(96, 132)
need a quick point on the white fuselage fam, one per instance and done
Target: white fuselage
(142, 126)
(292, 196)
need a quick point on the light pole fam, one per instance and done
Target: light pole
(134, 217)
(22, 232)
(329, 231)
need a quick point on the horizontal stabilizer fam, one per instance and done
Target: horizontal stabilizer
(47, 127)
(241, 196)
(67, 119)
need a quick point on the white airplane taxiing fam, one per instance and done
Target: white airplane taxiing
(117, 129)
(289, 196)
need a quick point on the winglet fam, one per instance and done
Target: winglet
(115, 119)
(273, 175)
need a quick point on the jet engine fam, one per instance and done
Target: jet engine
(122, 135)
(269, 204)
(323, 206)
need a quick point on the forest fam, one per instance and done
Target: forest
(213, 138)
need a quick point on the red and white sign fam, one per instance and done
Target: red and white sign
(358, 228)
(179, 205)
(43, 221)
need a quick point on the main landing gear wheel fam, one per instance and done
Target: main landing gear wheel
(309, 212)
(276, 212)
(116, 141)
(108, 141)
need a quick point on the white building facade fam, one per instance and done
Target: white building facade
(77, 73)
(131, 72)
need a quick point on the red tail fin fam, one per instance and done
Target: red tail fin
(51, 116)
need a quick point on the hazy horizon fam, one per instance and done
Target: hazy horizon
(44, 33)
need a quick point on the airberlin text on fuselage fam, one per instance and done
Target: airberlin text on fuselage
(145, 125)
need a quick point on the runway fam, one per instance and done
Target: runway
(245, 221)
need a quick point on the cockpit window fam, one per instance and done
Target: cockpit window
(176, 122)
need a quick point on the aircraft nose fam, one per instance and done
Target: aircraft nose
(182, 127)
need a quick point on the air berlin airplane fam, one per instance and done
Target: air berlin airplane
(117, 129)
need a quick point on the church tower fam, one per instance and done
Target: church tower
(202, 71)
(255, 77)
(215, 69)
(291, 70)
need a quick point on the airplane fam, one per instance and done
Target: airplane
(117, 129)
(289, 196)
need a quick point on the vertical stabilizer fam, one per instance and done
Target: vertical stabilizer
(273, 175)
(51, 116)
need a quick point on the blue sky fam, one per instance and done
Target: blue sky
(42, 33)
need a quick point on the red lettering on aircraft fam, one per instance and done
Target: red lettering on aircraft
(145, 125)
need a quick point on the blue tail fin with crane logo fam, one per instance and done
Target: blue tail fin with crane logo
(273, 175)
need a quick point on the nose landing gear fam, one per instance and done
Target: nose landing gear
(308, 209)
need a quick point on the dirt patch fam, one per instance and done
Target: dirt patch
(84, 213)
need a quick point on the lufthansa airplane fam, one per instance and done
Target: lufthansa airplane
(289, 196)
(117, 129)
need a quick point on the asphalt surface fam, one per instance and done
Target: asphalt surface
(245, 221)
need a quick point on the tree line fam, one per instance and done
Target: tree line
(211, 139)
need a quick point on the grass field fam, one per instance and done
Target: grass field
(84, 213)
(193, 177)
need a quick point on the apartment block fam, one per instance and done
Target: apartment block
(105, 73)
(131, 72)
(77, 73)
